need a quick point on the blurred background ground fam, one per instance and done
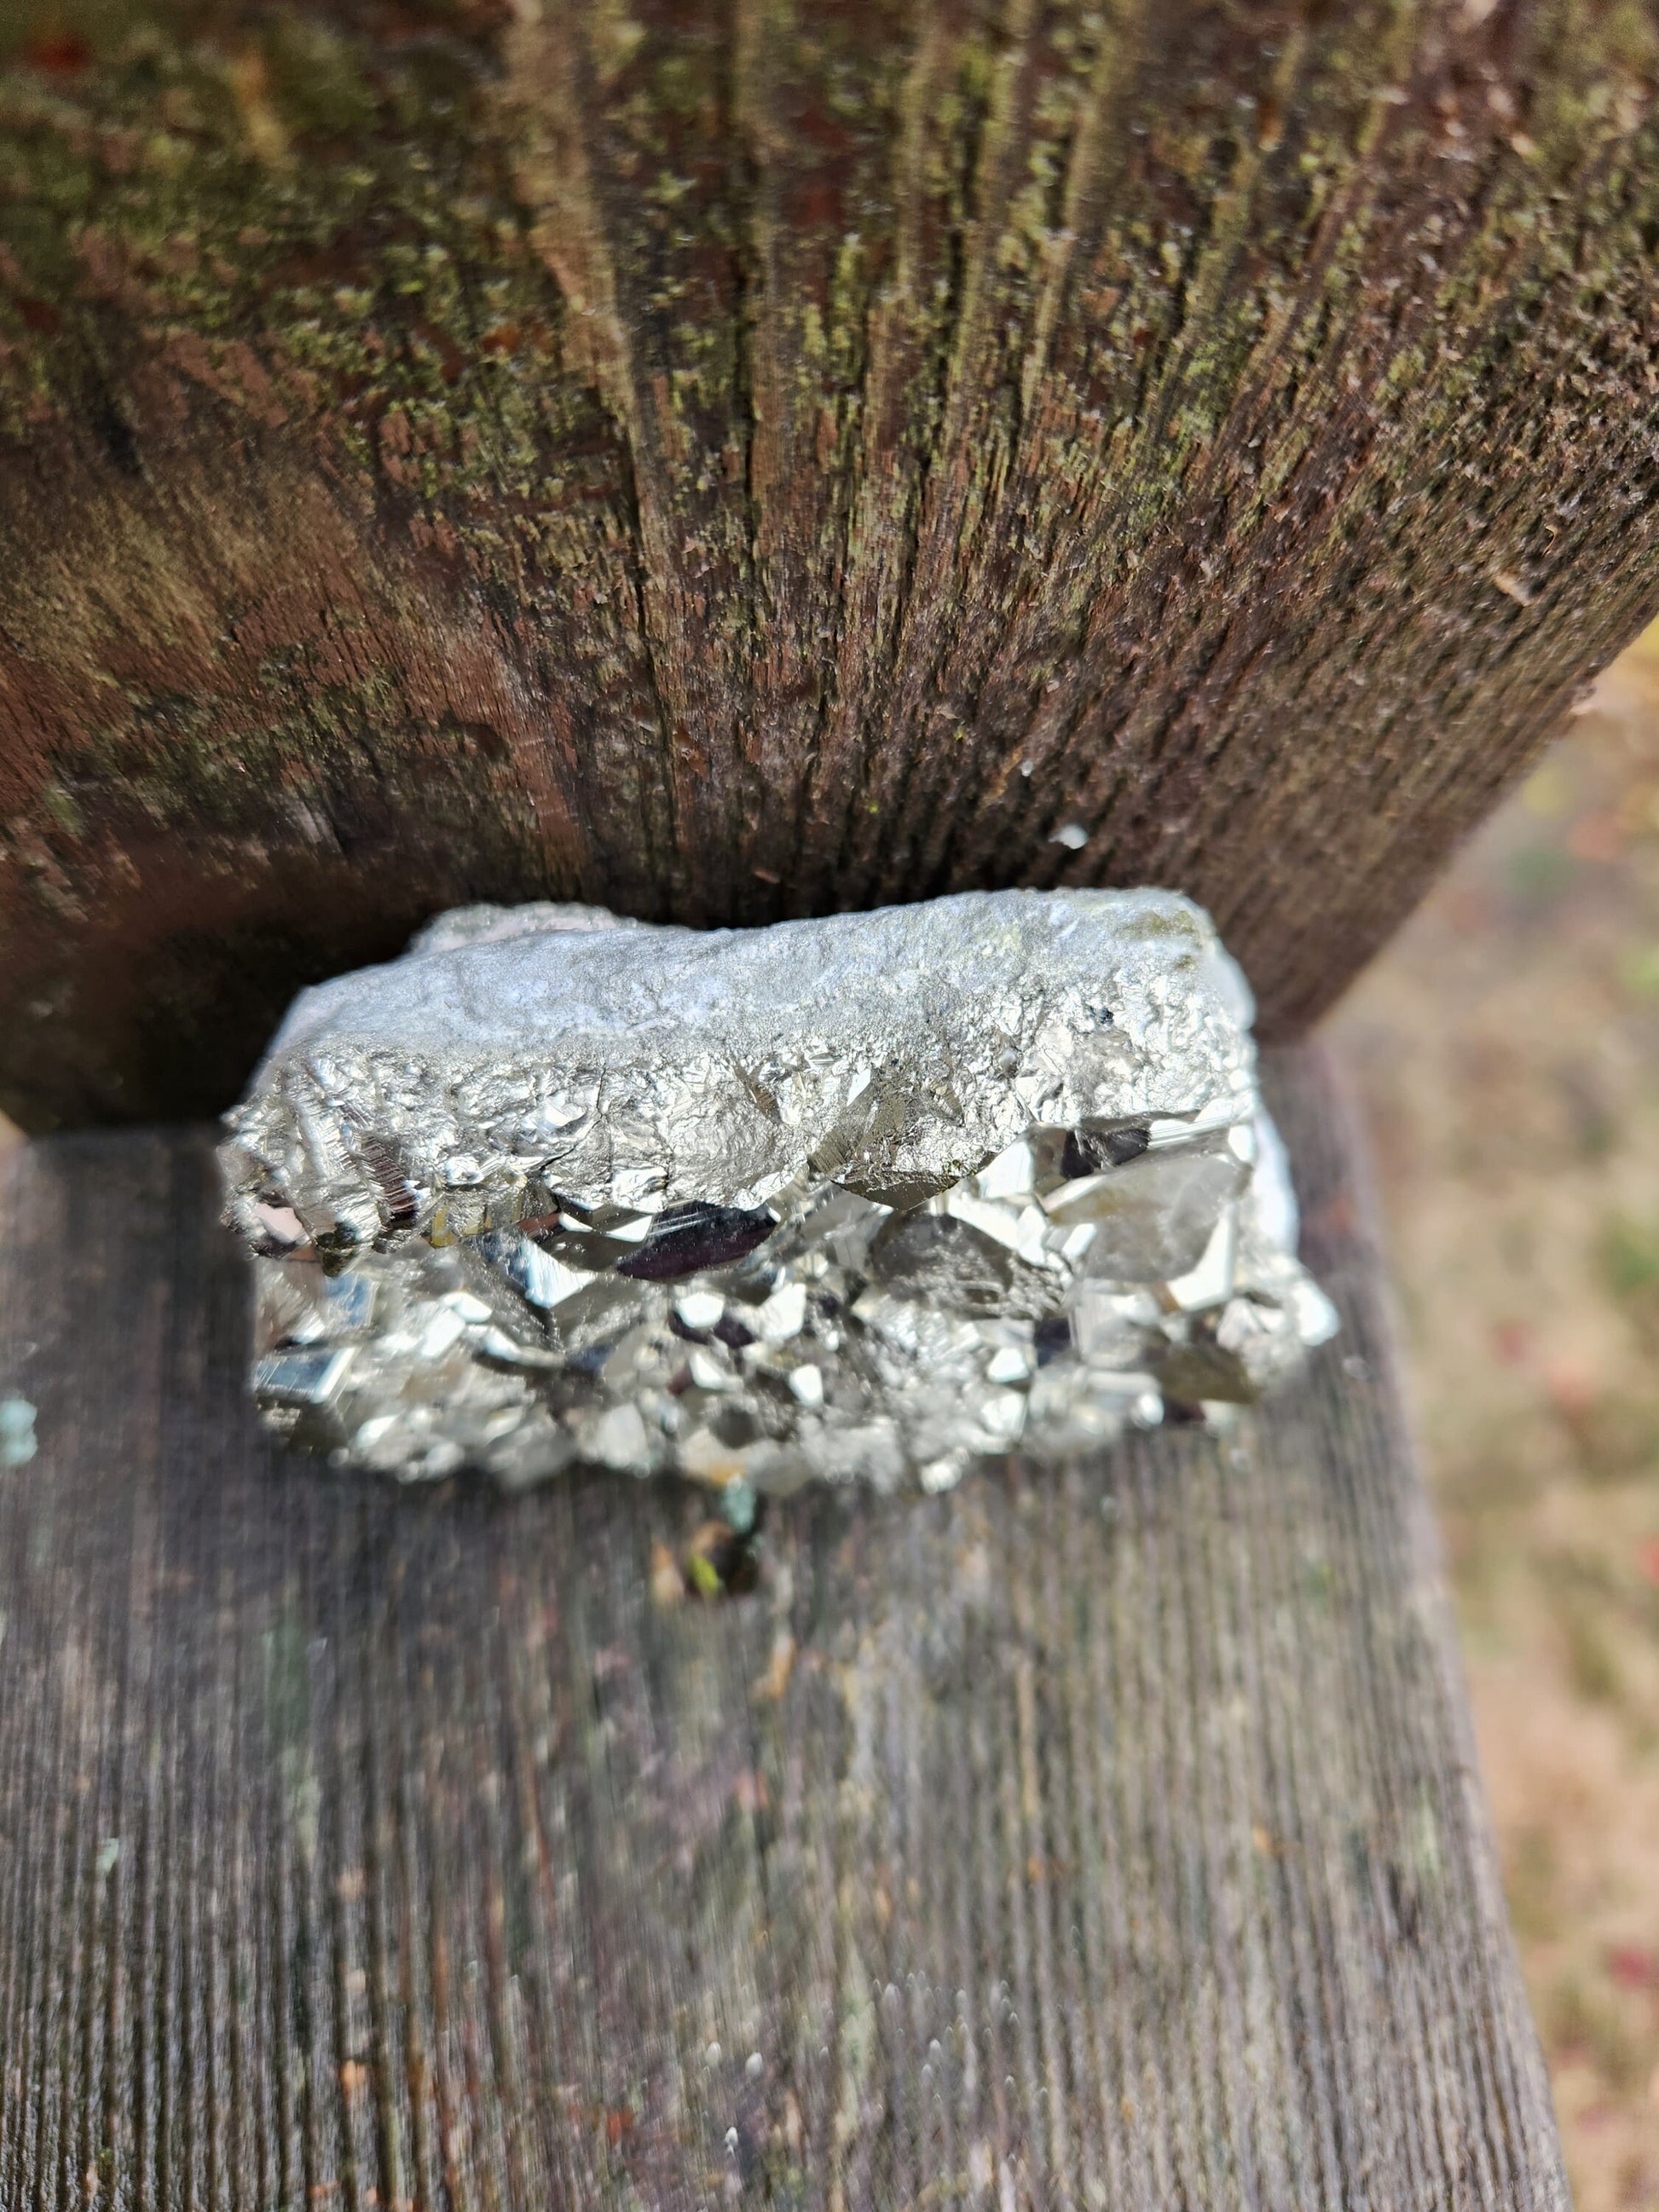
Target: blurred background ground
(1506, 1054)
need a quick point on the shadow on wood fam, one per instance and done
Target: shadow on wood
(1100, 1838)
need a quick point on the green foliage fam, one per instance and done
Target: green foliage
(1630, 1263)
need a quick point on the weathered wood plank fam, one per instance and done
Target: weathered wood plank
(1108, 1837)
(733, 461)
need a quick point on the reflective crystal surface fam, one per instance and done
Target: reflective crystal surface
(861, 1198)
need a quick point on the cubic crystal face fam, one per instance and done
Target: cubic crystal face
(865, 1197)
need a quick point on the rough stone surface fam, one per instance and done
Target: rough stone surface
(862, 1197)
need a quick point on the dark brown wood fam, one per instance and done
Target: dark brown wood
(696, 456)
(1101, 1839)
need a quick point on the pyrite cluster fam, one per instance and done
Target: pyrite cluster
(861, 1198)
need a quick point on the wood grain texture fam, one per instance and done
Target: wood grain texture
(735, 460)
(1099, 1839)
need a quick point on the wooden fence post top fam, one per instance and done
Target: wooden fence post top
(1095, 1836)
(730, 463)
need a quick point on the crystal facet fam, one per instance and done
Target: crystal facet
(858, 1198)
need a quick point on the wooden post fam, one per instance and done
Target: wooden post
(735, 461)
(1098, 1837)
(727, 462)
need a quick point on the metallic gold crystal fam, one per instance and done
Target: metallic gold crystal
(862, 1198)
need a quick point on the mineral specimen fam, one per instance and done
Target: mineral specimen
(858, 1198)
